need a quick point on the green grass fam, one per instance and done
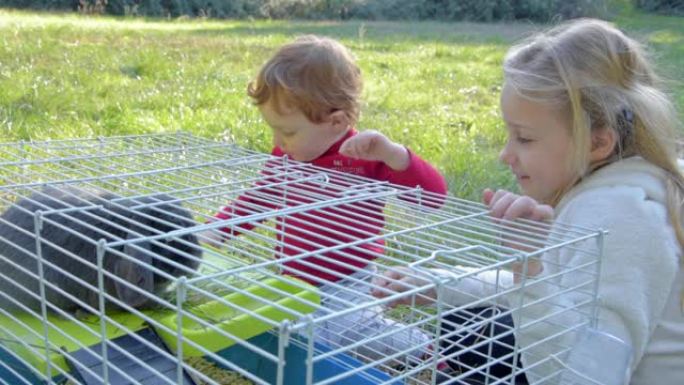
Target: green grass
(431, 86)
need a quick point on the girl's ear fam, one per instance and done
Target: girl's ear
(339, 121)
(603, 142)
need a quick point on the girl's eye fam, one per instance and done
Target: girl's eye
(289, 134)
(522, 140)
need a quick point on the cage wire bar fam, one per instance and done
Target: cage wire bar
(234, 305)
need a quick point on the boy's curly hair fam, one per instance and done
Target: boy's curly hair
(316, 75)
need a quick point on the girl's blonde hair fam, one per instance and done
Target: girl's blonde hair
(602, 79)
(316, 75)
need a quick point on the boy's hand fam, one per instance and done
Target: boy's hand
(213, 238)
(374, 146)
(507, 205)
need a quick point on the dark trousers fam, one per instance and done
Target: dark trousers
(482, 326)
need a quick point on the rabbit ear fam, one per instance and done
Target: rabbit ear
(135, 274)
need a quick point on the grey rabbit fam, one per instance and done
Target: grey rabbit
(118, 218)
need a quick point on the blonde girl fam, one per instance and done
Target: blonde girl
(591, 142)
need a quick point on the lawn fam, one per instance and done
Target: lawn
(431, 86)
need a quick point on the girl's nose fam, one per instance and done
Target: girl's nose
(506, 156)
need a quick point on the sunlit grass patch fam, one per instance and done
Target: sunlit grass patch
(432, 86)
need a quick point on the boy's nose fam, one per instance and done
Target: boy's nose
(277, 141)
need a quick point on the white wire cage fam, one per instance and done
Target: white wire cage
(111, 273)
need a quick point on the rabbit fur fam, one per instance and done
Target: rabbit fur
(107, 217)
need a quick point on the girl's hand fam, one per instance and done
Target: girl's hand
(374, 146)
(507, 205)
(399, 280)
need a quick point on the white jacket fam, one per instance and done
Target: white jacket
(641, 280)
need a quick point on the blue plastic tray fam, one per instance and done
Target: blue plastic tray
(295, 368)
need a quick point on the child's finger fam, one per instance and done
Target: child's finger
(400, 301)
(398, 285)
(381, 284)
(343, 147)
(399, 280)
(521, 207)
(363, 146)
(487, 195)
(346, 148)
(543, 213)
(381, 292)
(501, 204)
(212, 238)
(378, 289)
(395, 274)
(423, 298)
(498, 194)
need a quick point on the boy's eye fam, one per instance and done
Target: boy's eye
(523, 140)
(283, 133)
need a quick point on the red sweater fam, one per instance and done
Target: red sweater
(326, 227)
